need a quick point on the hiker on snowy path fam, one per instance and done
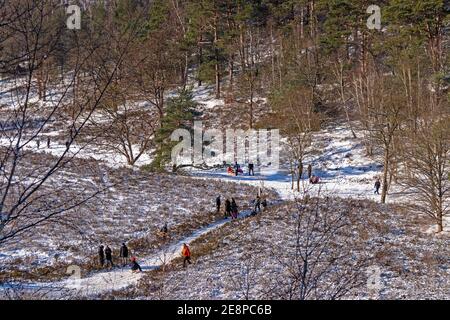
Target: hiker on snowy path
(135, 267)
(236, 168)
(186, 253)
(218, 203)
(108, 256)
(124, 254)
(48, 142)
(101, 256)
(227, 208)
(264, 203)
(251, 169)
(258, 204)
(377, 186)
(234, 209)
(164, 230)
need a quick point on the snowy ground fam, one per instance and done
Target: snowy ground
(139, 203)
(241, 260)
(99, 283)
(339, 161)
(132, 208)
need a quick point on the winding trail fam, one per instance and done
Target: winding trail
(346, 172)
(117, 278)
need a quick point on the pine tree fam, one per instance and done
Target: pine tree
(179, 115)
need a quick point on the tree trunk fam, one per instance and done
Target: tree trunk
(231, 78)
(440, 224)
(185, 70)
(300, 174)
(217, 66)
(272, 53)
(200, 58)
(251, 105)
(385, 176)
(292, 175)
(217, 80)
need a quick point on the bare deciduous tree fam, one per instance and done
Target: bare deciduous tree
(26, 200)
(326, 261)
(426, 170)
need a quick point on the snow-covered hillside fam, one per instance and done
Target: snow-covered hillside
(136, 203)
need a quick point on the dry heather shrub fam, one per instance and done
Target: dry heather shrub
(428, 258)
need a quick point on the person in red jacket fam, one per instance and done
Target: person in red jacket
(186, 253)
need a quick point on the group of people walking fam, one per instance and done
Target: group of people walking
(105, 255)
(38, 143)
(232, 209)
(106, 260)
(259, 203)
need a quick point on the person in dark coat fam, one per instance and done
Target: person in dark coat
(236, 168)
(264, 203)
(108, 257)
(234, 209)
(101, 256)
(124, 254)
(164, 230)
(251, 169)
(258, 204)
(135, 267)
(218, 203)
(227, 208)
(377, 186)
(48, 142)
